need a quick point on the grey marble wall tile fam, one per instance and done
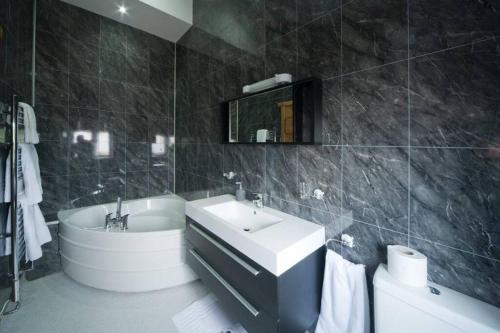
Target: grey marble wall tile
(232, 161)
(84, 190)
(83, 58)
(52, 122)
(439, 25)
(137, 185)
(281, 55)
(472, 275)
(321, 168)
(282, 172)
(53, 157)
(112, 124)
(375, 106)
(373, 33)
(454, 198)
(137, 128)
(454, 97)
(253, 167)
(137, 44)
(158, 130)
(113, 186)
(319, 47)
(55, 194)
(52, 51)
(160, 182)
(375, 186)
(161, 52)
(137, 157)
(313, 9)
(52, 16)
(83, 124)
(52, 87)
(161, 77)
(280, 18)
(161, 156)
(112, 65)
(84, 26)
(137, 71)
(137, 99)
(113, 35)
(112, 96)
(160, 104)
(114, 161)
(332, 112)
(83, 91)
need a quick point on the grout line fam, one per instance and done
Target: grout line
(175, 113)
(409, 120)
(341, 122)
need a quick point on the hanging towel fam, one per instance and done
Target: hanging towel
(344, 302)
(30, 130)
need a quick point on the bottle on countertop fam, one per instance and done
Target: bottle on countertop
(240, 192)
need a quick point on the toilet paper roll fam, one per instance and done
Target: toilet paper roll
(407, 265)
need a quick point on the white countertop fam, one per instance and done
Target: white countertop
(277, 248)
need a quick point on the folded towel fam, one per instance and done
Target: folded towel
(262, 135)
(30, 130)
(344, 303)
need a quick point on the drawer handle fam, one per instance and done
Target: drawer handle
(221, 247)
(226, 285)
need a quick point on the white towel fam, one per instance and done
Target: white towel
(262, 135)
(344, 302)
(30, 130)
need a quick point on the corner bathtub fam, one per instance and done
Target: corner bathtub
(148, 256)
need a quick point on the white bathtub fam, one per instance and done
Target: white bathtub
(148, 256)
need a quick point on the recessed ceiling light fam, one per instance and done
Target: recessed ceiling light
(122, 9)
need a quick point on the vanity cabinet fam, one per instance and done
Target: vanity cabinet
(260, 300)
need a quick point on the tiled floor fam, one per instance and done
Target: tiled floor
(57, 304)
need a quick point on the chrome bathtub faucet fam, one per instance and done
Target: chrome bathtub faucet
(118, 221)
(257, 202)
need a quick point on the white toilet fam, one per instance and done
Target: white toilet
(400, 308)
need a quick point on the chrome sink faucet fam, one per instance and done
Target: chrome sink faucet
(257, 201)
(118, 221)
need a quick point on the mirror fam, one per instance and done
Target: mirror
(285, 114)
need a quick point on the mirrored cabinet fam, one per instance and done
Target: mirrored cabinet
(286, 114)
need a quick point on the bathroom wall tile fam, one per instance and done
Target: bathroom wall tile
(332, 112)
(320, 168)
(375, 106)
(55, 194)
(114, 124)
(137, 44)
(83, 58)
(373, 33)
(313, 9)
(113, 186)
(83, 91)
(52, 51)
(160, 182)
(137, 128)
(83, 124)
(137, 156)
(461, 271)
(454, 198)
(375, 186)
(161, 157)
(112, 65)
(440, 85)
(253, 167)
(113, 35)
(84, 26)
(282, 172)
(434, 25)
(114, 161)
(161, 77)
(52, 122)
(161, 52)
(158, 129)
(137, 185)
(112, 96)
(137, 99)
(160, 103)
(281, 55)
(83, 190)
(280, 18)
(53, 158)
(51, 16)
(137, 71)
(232, 162)
(319, 47)
(52, 87)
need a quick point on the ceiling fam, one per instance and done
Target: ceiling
(168, 19)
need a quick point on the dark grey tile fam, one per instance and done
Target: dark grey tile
(280, 18)
(52, 122)
(137, 44)
(137, 128)
(111, 157)
(375, 186)
(332, 112)
(318, 45)
(137, 185)
(84, 26)
(439, 25)
(137, 99)
(375, 106)
(373, 33)
(281, 55)
(55, 194)
(472, 275)
(112, 96)
(84, 190)
(84, 125)
(52, 16)
(83, 58)
(253, 166)
(454, 198)
(113, 35)
(51, 51)
(282, 172)
(321, 168)
(137, 71)
(160, 182)
(454, 97)
(313, 9)
(53, 158)
(161, 77)
(112, 65)
(114, 125)
(52, 87)
(158, 130)
(161, 52)
(137, 157)
(83, 91)
(159, 103)
(113, 186)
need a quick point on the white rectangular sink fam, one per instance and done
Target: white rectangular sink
(242, 216)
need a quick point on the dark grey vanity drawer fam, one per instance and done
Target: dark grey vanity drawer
(253, 282)
(253, 318)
